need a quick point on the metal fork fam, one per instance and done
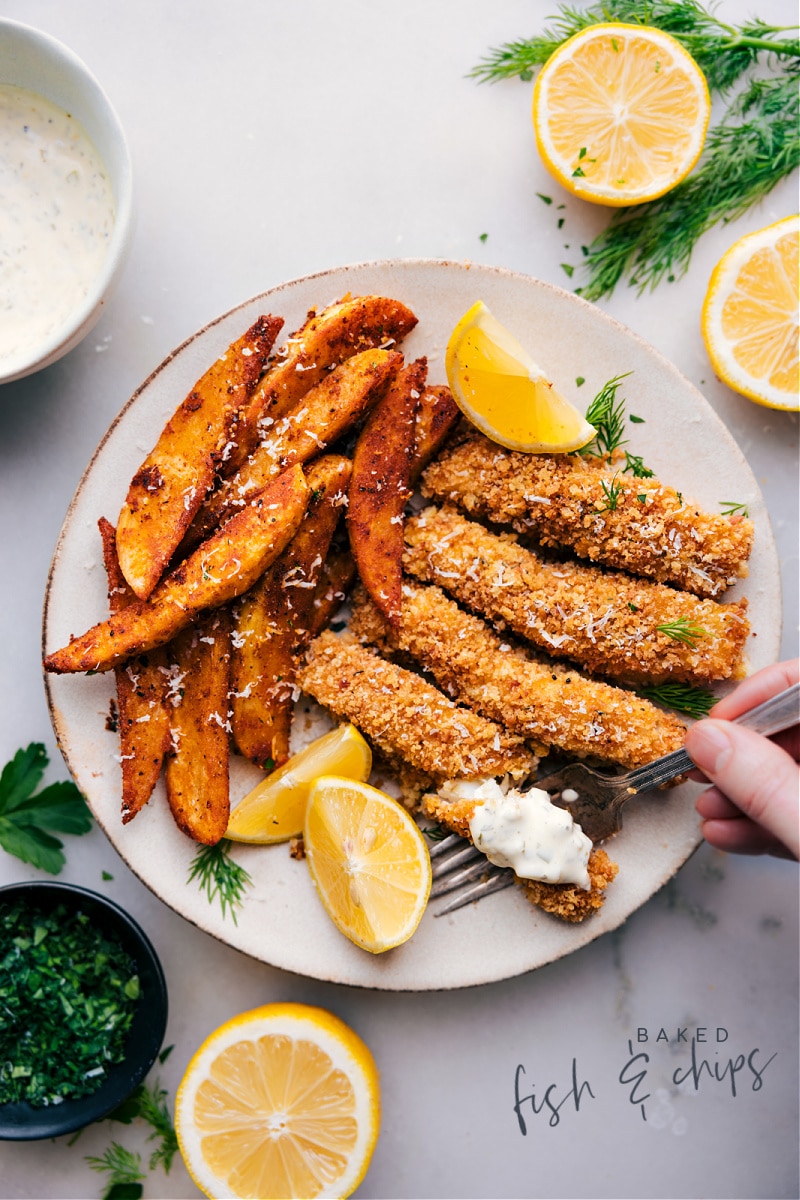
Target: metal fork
(595, 801)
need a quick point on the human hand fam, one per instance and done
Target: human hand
(753, 806)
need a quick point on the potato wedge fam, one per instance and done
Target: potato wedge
(336, 577)
(197, 766)
(348, 327)
(437, 416)
(173, 480)
(379, 489)
(328, 411)
(142, 716)
(272, 622)
(223, 567)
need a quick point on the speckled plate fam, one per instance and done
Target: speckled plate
(282, 921)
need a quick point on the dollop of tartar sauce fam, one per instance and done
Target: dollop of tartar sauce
(525, 831)
(56, 219)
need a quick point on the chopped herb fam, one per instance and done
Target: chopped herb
(435, 833)
(612, 492)
(25, 818)
(560, 222)
(584, 250)
(634, 464)
(150, 1105)
(730, 509)
(683, 697)
(579, 173)
(633, 607)
(106, 875)
(165, 1053)
(570, 270)
(607, 414)
(614, 44)
(483, 237)
(683, 629)
(220, 877)
(634, 420)
(582, 152)
(579, 381)
(546, 199)
(642, 497)
(680, 498)
(68, 994)
(124, 1170)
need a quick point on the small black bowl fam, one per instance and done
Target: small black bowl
(24, 1122)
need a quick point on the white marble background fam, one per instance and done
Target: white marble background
(271, 140)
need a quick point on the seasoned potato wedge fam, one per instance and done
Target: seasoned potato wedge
(379, 488)
(197, 766)
(173, 480)
(272, 619)
(142, 716)
(223, 567)
(437, 416)
(348, 327)
(328, 411)
(337, 576)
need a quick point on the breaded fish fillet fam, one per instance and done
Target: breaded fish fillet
(606, 621)
(553, 706)
(565, 900)
(636, 525)
(406, 717)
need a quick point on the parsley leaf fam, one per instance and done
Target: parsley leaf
(27, 815)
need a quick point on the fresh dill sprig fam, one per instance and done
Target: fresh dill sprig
(634, 464)
(612, 492)
(124, 1170)
(745, 156)
(683, 629)
(607, 414)
(723, 52)
(731, 509)
(220, 877)
(683, 697)
(435, 833)
(150, 1104)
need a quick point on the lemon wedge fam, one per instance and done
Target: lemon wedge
(275, 809)
(282, 1101)
(502, 391)
(368, 860)
(750, 316)
(620, 113)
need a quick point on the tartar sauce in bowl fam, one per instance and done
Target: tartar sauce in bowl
(56, 220)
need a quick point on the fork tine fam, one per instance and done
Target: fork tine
(447, 883)
(499, 879)
(461, 855)
(448, 843)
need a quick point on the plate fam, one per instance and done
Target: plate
(282, 921)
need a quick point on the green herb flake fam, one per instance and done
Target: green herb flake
(68, 995)
(560, 222)
(483, 237)
(570, 270)
(579, 173)
(29, 821)
(634, 420)
(730, 508)
(684, 630)
(579, 381)
(612, 492)
(635, 464)
(545, 199)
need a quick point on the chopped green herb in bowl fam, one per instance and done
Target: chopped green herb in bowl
(83, 1008)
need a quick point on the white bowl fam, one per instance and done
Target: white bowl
(34, 60)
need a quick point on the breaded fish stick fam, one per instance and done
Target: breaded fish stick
(554, 706)
(630, 629)
(407, 718)
(636, 525)
(565, 900)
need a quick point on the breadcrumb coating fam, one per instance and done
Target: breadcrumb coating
(406, 717)
(565, 900)
(609, 622)
(556, 707)
(566, 500)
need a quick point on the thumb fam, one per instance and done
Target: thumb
(757, 775)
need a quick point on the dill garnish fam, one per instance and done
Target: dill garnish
(634, 464)
(731, 509)
(752, 148)
(683, 629)
(683, 697)
(607, 414)
(220, 877)
(123, 1169)
(612, 492)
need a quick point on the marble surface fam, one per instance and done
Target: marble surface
(271, 140)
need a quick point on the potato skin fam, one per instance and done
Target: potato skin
(176, 476)
(379, 488)
(221, 568)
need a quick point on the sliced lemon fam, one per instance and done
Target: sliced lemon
(281, 1101)
(502, 391)
(275, 809)
(368, 860)
(620, 113)
(750, 316)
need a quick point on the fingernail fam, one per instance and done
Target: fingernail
(709, 746)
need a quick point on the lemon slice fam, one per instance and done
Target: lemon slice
(275, 809)
(502, 391)
(368, 860)
(750, 316)
(282, 1101)
(620, 113)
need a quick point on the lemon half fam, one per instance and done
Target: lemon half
(369, 862)
(275, 809)
(282, 1101)
(620, 113)
(750, 316)
(503, 392)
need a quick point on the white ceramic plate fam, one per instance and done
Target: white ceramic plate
(282, 921)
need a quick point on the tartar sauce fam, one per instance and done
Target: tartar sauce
(56, 219)
(525, 831)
